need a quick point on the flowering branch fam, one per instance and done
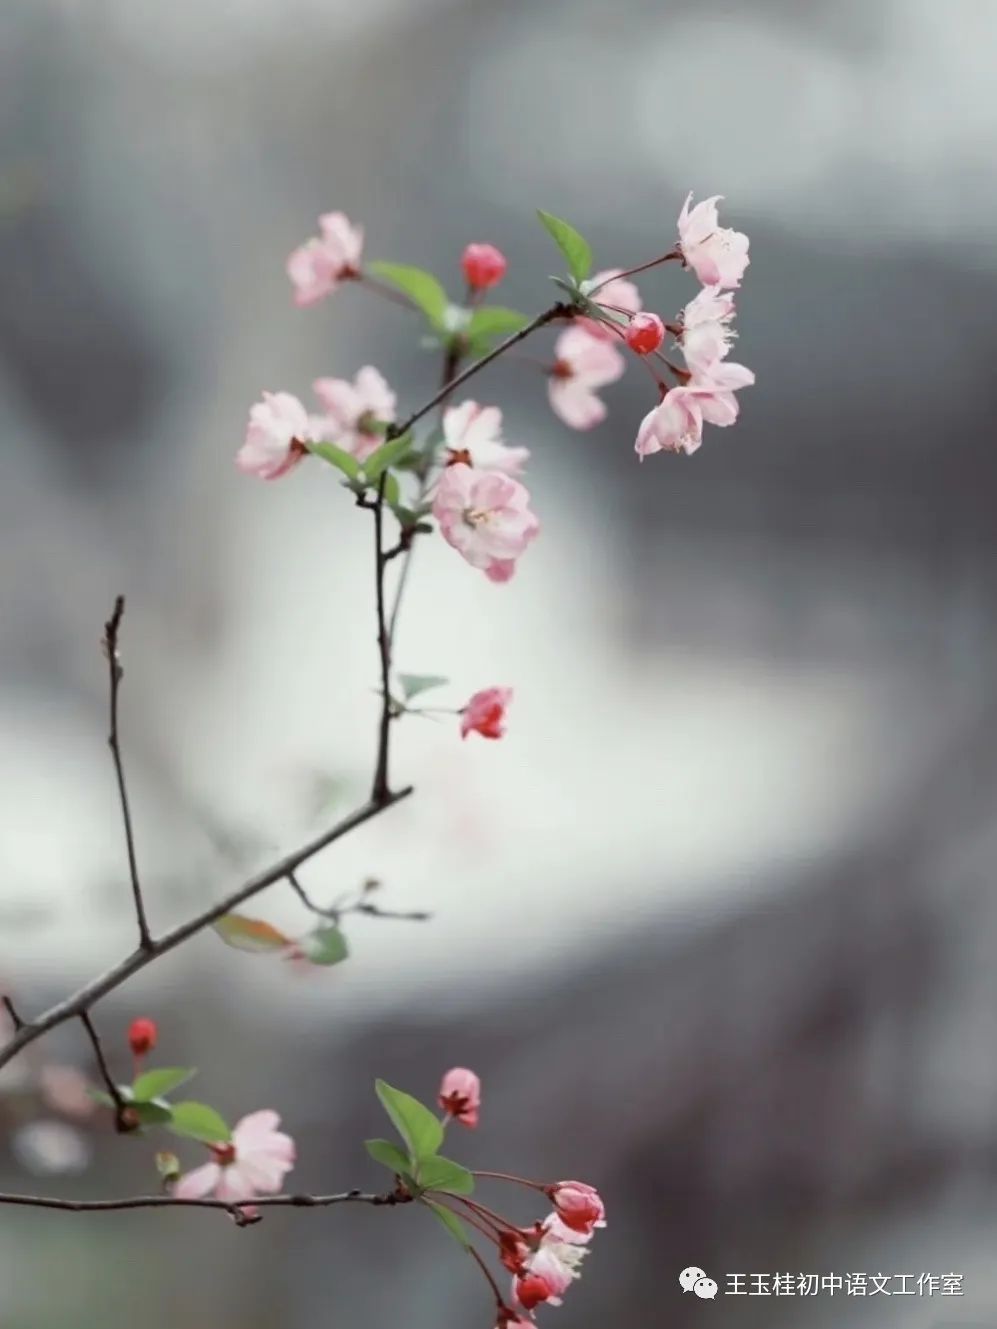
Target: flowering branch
(460, 473)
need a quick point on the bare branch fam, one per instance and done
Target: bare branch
(87, 996)
(115, 675)
(172, 1202)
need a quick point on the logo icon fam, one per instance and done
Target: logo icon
(688, 1278)
(705, 1288)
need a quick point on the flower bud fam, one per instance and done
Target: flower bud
(579, 1206)
(483, 265)
(531, 1290)
(142, 1036)
(645, 333)
(460, 1096)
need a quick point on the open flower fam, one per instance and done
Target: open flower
(486, 517)
(484, 714)
(579, 1206)
(706, 330)
(676, 425)
(460, 1095)
(619, 296)
(715, 388)
(582, 364)
(717, 255)
(255, 1163)
(318, 266)
(473, 435)
(548, 1272)
(353, 411)
(275, 437)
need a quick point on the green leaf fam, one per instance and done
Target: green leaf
(154, 1084)
(105, 1099)
(494, 321)
(337, 457)
(249, 934)
(386, 455)
(421, 287)
(451, 1222)
(152, 1114)
(443, 1174)
(197, 1121)
(388, 1154)
(414, 1122)
(574, 247)
(413, 684)
(326, 945)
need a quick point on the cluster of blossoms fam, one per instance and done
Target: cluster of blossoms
(545, 1257)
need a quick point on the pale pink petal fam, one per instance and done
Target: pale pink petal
(195, 1185)
(575, 404)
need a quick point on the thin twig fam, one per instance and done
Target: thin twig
(173, 1202)
(558, 310)
(115, 675)
(87, 996)
(120, 1106)
(379, 789)
(15, 1019)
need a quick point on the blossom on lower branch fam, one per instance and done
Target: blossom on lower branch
(254, 1163)
(486, 517)
(473, 435)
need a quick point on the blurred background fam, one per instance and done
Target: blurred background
(715, 923)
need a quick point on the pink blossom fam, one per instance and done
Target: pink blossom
(582, 364)
(484, 714)
(645, 333)
(579, 1206)
(460, 1094)
(676, 425)
(255, 1163)
(716, 254)
(473, 434)
(275, 437)
(548, 1272)
(353, 410)
(706, 331)
(483, 265)
(715, 389)
(318, 266)
(486, 517)
(619, 295)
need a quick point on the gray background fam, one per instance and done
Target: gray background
(715, 923)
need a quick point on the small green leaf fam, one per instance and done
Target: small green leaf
(443, 1174)
(337, 457)
(421, 287)
(494, 321)
(388, 1154)
(386, 455)
(152, 1114)
(197, 1121)
(414, 1122)
(105, 1099)
(413, 684)
(326, 945)
(249, 934)
(451, 1222)
(154, 1084)
(574, 247)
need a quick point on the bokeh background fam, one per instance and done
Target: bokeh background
(716, 922)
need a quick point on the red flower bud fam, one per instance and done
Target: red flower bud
(645, 333)
(142, 1036)
(483, 265)
(531, 1290)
